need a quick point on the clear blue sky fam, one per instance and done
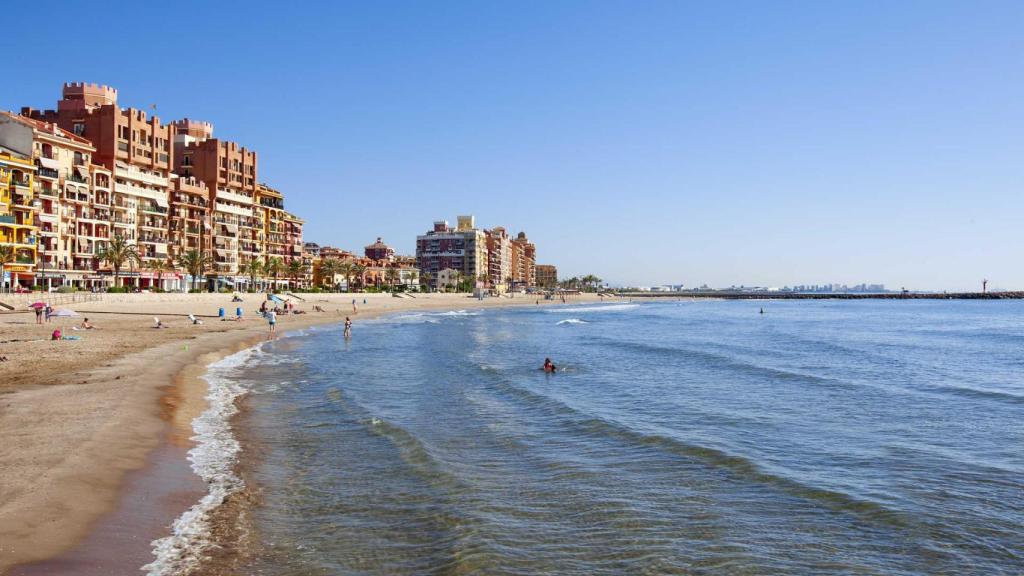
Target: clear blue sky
(646, 142)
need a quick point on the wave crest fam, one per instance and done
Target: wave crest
(213, 459)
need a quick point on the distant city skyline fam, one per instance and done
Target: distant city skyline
(648, 144)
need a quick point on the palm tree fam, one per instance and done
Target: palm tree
(117, 253)
(160, 267)
(195, 263)
(274, 266)
(358, 270)
(391, 275)
(295, 269)
(425, 279)
(328, 268)
(345, 269)
(413, 277)
(7, 254)
(253, 268)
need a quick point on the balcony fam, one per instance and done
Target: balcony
(140, 191)
(48, 173)
(236, 210)
(137, 174)
(78, 179)
(154, 209)
(23, 183)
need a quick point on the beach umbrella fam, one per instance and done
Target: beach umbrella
(37, 305)
(63, 313)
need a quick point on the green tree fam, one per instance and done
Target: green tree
(7, 254)
(358, 272)
(253, 269)
(345, 269)
(195, 263)
(274, 267)
(295, 270)
(328, 268)
(425, 279)
(161, 267)
(391, 275)
(117, 253)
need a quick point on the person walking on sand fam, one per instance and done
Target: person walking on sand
(272, 320)
(49, 311)
(39, 314)
(348, 328)
(354, 310)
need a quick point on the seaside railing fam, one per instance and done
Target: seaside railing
(20, 301)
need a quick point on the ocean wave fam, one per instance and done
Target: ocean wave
(598, 308)
(428, 317)
(572, 321)
(213, 459)
(742, 467)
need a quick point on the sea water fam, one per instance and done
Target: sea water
(690, 437)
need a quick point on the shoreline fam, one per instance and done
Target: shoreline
(94, 427)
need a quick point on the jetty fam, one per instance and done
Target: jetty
(763, 295)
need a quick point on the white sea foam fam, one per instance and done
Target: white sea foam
(597, 308)
(572, 321)
(430, 317)
(213, 459)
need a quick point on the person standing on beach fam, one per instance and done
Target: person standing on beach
(39, 314)
(354, 311)
(49, 311)
(272, 320)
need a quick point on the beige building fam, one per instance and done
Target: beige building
(229, 172)
(110, 172)
(70, 204)
(547, 276)
(499, 260)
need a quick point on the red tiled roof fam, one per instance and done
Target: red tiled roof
(46, 127)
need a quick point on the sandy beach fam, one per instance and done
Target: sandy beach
(78, 416)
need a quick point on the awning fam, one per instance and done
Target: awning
(161, 202)
(82, 171)
(50, 163)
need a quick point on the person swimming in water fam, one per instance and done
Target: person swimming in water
(549, 366)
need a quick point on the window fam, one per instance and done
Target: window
(79, 128)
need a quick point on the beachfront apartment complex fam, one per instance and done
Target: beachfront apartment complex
(489, 258)
(95, 171)
(547, 276)
(18, 230)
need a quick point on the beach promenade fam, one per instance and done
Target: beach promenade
(78, 415)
